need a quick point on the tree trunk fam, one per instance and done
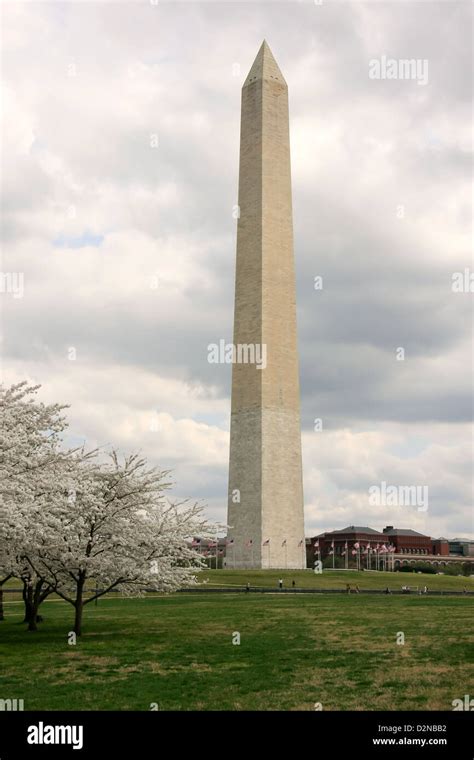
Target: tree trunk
(79, 606)
(78, 619)
(27, 594)
(32, 626)
(34, 600)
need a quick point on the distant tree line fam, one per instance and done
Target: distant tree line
(454, 568)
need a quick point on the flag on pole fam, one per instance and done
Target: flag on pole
(316, 544)
(354, 551)
(331, 551)
(332, 544)
(357, 545)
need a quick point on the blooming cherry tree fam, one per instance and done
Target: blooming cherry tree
(77, 526)
(30, 435)
(118, 532)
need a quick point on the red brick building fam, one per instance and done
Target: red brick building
(405, 541)
(352, 535)
(441, 546)
(411, 542)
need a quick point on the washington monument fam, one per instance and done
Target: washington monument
(265, 508)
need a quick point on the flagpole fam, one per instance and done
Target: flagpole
(318, 552)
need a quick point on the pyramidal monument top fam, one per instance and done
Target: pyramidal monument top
(264, 67)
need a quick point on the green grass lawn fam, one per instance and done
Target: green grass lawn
(334, 579)
(295, 651)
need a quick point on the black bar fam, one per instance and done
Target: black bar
(154, 734)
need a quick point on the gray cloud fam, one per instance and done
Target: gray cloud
(79, 138)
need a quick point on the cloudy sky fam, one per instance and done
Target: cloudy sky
(120, 171)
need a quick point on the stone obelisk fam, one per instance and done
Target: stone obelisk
(265, 508)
